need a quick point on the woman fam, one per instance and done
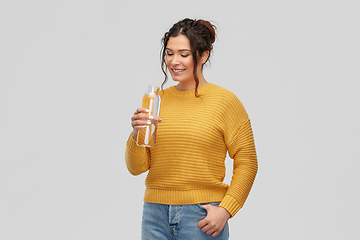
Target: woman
(199, 122)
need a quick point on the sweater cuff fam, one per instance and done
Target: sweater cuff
(132, 146)
(230, 204)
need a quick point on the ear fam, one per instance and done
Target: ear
(204, 57)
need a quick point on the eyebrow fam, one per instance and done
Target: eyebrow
(180, 50)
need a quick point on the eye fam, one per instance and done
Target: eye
(184, 55)
(169, 53)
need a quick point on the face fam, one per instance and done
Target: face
(179, 59)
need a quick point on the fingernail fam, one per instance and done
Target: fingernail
(147, 110)
(151, 117)
(148, 122)
(160, 120)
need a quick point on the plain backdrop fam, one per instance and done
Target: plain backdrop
(73, 72)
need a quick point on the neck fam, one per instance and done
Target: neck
(187, 86)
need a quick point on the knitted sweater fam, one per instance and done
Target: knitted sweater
(187, 164)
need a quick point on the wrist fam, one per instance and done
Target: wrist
(228, 215)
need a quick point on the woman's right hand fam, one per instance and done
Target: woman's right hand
(141, 119)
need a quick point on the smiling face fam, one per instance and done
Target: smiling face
(179, 60)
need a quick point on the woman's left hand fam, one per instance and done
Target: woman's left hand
(215, 220)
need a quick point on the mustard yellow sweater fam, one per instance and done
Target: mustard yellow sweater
(186, 166)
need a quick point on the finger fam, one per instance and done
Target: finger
(202, 223)
(215, 234)
(154, 118)
(210, 232)
(208, 229)
(141, 110)
(140, 127)
(141, 123)
(139, 117)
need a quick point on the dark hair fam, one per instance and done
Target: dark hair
(201, 34)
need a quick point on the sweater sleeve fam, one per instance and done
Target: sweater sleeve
(137, 158)
(241, 147)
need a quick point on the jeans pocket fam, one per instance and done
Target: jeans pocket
(211, 203)
(214, 203)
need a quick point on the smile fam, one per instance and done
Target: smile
(178, 70)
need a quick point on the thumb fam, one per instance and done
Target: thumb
(156, 118)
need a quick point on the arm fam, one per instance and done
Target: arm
(138, 158)
(239, 140)
(242, 150)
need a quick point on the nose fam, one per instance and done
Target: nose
(175, 60)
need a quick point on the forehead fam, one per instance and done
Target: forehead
(178, 42)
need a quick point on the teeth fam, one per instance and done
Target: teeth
(178, 70)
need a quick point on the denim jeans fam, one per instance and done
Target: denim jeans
(176, 222)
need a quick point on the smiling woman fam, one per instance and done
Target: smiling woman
(180, 63)
(188, 42)
(199, 123)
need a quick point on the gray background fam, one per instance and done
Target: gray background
(73, 72)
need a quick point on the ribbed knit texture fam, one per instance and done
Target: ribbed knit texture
(187, 166)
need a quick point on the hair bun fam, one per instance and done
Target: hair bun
(211, 29)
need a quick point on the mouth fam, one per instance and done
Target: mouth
(177, 70)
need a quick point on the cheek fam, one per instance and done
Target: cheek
(167, 61)
(189, 63)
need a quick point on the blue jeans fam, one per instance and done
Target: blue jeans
(176, 222)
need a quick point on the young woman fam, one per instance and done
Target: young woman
(199, 122)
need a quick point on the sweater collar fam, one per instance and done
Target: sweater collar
(190, 93)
